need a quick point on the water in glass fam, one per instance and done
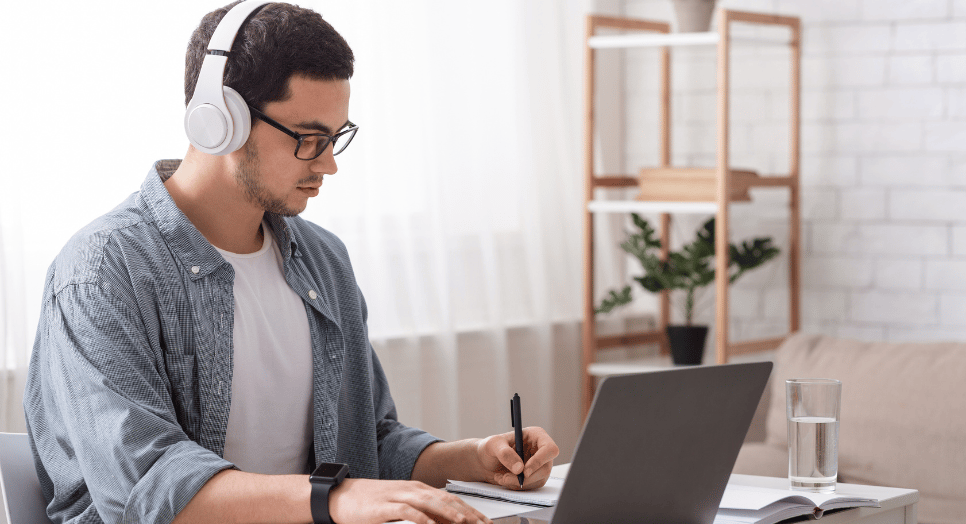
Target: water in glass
(813, 453)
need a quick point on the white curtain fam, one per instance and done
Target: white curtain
(14, 340)
(459, 199)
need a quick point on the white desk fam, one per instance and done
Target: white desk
(898, 506)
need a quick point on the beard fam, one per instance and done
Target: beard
(249, 176)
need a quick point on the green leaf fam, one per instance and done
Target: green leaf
(614, 300)
(690, 268)
(751, 255)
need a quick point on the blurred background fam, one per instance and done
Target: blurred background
(461, 197)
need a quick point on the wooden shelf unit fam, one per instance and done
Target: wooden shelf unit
(667, 189)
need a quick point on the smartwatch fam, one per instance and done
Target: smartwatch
(323, 479)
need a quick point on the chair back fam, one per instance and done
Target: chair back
(22, 497)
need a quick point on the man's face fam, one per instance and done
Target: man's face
(268, 173)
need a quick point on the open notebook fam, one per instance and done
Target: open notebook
(754, 505)
(545, 496)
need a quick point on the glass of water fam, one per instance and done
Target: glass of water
(813, 406)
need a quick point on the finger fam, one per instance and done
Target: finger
(470, 513)
(504, 452)
(446, 505)
(538, 478)
(474, 515)
(534, 481)
(407, 512)
(506, 480)
(546, 450)
(534, 437)
(425, 503)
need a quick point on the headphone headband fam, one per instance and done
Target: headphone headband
(217, 120)
(224, 35)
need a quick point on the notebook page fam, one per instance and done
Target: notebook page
(543, 496)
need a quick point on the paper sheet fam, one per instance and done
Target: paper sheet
(544, 496)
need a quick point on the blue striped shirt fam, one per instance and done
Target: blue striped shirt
(130, 378)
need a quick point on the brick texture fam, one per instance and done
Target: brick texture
(883, 165)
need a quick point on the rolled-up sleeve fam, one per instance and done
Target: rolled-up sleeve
(399, 445)
(100, 413)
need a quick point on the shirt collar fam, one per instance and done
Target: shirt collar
(192, 249)
(286, 241)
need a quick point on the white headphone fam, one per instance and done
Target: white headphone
(217, 120)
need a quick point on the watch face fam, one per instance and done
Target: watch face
(328, 471)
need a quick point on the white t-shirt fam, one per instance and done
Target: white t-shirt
(270, 419)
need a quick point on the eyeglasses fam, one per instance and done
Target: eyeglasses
(311, 145)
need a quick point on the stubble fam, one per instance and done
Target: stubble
(249, 176)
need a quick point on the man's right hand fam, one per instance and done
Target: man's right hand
(366, 501)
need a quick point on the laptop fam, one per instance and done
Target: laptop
(658, 447)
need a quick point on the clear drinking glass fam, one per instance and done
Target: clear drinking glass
(813, 406)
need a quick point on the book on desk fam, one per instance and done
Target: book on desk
(756, 505)
(740, 504)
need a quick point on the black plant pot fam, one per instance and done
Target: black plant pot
(687, 343)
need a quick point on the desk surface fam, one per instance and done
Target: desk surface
(898, 505)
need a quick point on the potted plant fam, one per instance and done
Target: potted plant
(693, 15)
(688, 270)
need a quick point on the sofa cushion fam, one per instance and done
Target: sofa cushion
(903, 418)
(760, 458)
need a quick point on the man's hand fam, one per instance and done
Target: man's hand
(502, 464)
(366, 501)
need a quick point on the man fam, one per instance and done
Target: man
(201, 348)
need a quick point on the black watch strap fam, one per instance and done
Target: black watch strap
(320, 503)
(325, 477)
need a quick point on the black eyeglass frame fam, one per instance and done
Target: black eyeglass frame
(300, 137)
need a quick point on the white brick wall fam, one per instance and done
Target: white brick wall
(883, 161)
(901, 104)
(895, 308)
(823, 71)
(951, 68)
(959, 240)
(889, 10)
(898, 273)
(904, 171)
(946, 137)
(944, 36)
(914, 69)
(942, 205)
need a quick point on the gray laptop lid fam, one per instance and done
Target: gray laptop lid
(660, 446)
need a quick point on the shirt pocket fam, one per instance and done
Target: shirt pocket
(180, 359)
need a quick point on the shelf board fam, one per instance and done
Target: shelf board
(674, 40)
(628, 367)
(635, 206)
(652, 40)
(749, 351)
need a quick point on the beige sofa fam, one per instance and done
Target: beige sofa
(903, 417)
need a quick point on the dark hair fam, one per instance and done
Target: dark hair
(278, 41)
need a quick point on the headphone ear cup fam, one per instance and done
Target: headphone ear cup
(240, 120)
(206, 126)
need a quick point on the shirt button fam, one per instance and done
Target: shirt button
(313, 295)
(195, 269)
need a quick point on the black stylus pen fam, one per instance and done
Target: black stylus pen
(517, 422)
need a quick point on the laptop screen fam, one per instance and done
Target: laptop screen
(658, 446)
